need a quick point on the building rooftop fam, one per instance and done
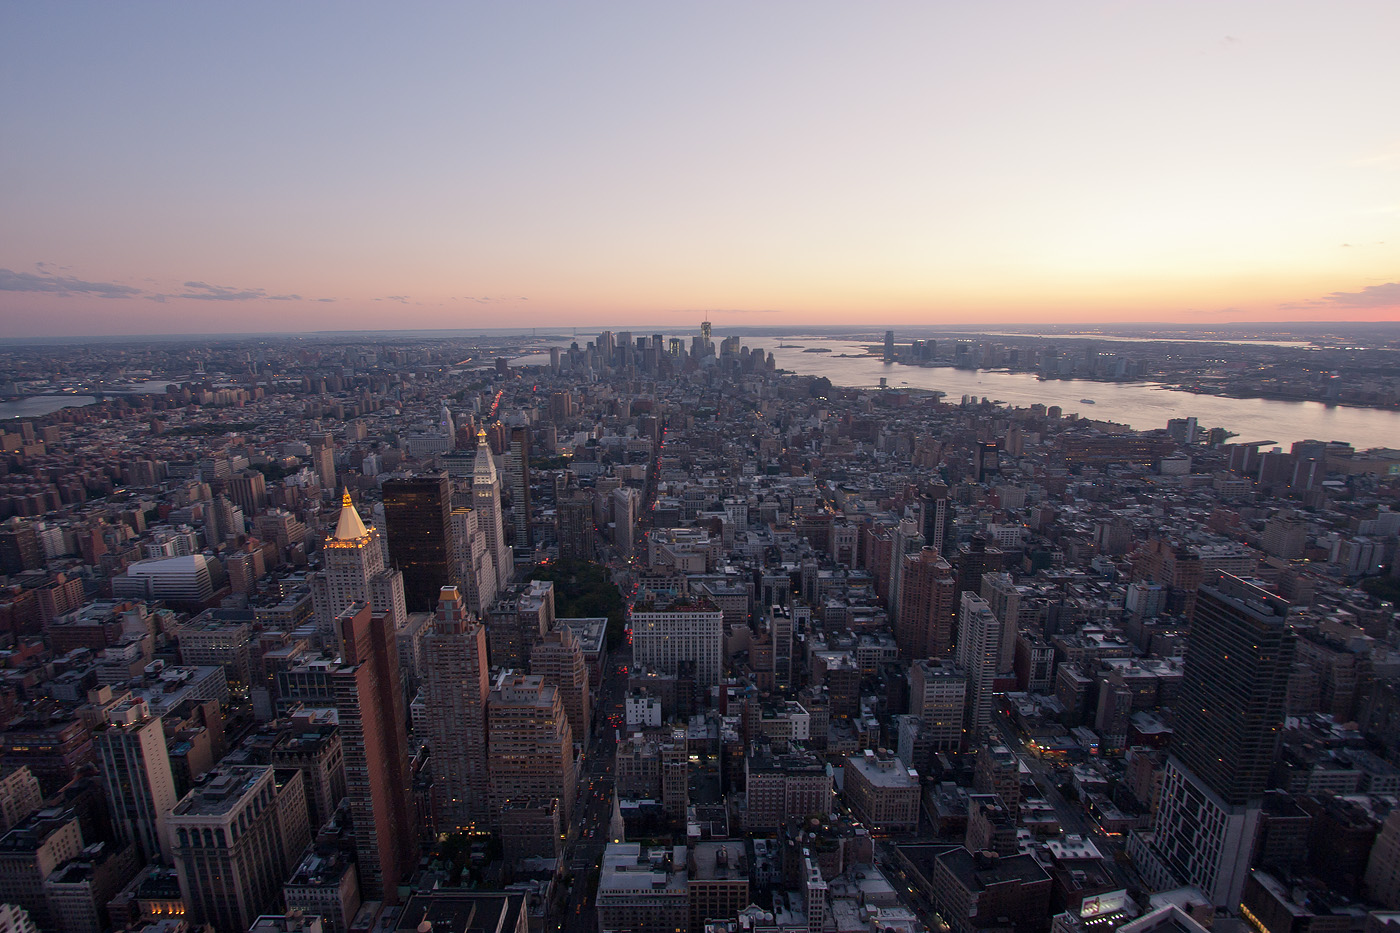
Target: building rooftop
(883, 771)
(222, 792)
(977, 871)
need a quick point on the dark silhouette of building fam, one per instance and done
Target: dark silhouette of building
(1231, 705)
(518, 478)
(1228, 716)
(418, 513)
(574, 527)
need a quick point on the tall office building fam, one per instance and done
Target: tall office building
(684, 630)
(1002, 594)
(418, 516)
(248, 490)
(979, 649)
(940, 528)
(626, 502)
(353, 571)
(573, 519)
(486, 499)
(518, 475)
(235, 838)
(938, 697)
(374, 739)
(889, 346)
(19, 546)
(974, 559)
(906, 537)
(1228, 716)
(31, 852)
(457, 691)
(558, 658)
(928, 606)
(136, 770)
(531, 744)
(476, 569)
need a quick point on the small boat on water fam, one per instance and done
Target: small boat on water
(1087, 401)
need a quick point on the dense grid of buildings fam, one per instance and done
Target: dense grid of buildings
(359, 636)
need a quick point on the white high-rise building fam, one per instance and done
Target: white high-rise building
(136, 770)
(354, 571)
(486, 496)
(475, 565)
(978, 652)
(686, 630)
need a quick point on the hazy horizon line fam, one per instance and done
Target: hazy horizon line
(1033, 329)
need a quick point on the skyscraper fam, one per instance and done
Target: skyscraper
(486, 497)
(476, 569)
(979, 648)
(626, 502)
(685, 630)
(248, 490)
(236, 836)
(374, 738)
(457, 691)
(354, 572)
(558, 658)
(940, 530)
(532, 746)
(1228, 717)
(418, 516)
(927, 608)
(574, 526)
(136, 770)
(518, 474)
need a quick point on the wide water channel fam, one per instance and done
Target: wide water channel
(1141, 405)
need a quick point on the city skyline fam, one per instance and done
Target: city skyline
(269, 169)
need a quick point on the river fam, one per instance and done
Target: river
(1141, 405)
(36, 405)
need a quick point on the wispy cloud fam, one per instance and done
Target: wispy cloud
(707, 311)
(203, 291)
(1372, 296)
(11, 281)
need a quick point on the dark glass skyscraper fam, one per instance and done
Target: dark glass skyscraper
(518, 475)
(418, 513)
(1231, 705)
(1228, 717)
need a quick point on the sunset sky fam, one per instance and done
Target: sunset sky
(239, 167)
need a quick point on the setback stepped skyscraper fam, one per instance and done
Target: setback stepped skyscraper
(457, 690)
(354, 572)
(486, 500)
